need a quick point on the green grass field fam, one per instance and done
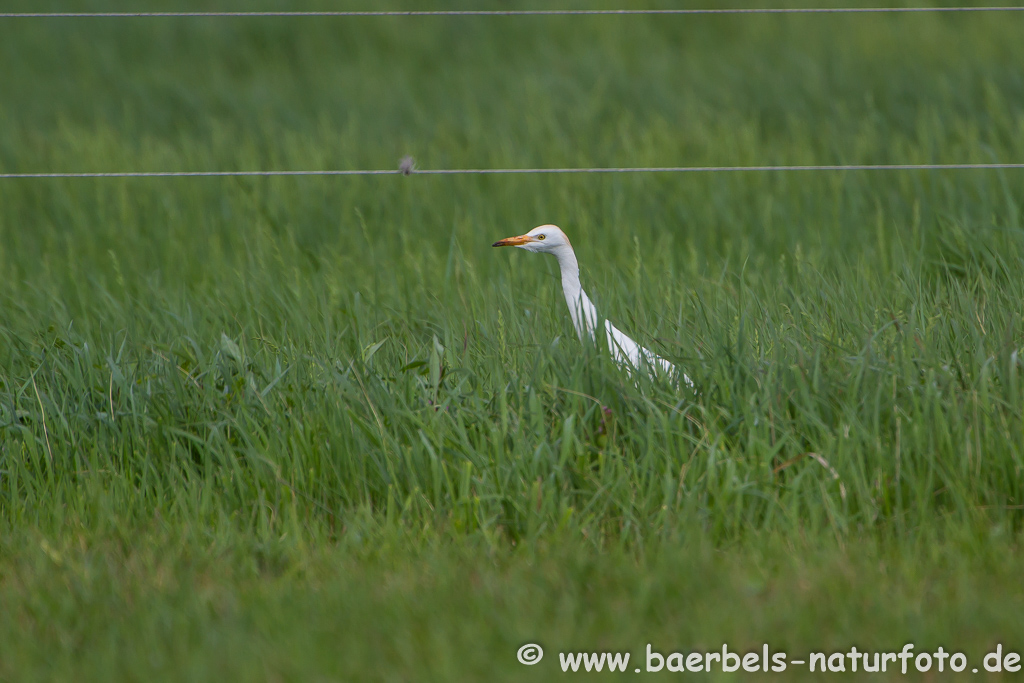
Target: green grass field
(312, 429)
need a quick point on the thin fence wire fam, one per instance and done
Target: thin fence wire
(509, 13)
(405, 170)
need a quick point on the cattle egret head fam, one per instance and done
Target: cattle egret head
(546, 239)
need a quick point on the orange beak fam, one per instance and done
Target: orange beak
(513, 241)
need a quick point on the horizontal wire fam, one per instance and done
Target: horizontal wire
(500, 171)
(507, 13)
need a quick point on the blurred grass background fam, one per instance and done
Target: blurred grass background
(299, 428)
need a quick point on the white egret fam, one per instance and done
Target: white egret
(549, 239)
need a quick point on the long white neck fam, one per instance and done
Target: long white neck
(624, 351)
(583, 313)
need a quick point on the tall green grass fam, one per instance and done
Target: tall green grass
(319, 361)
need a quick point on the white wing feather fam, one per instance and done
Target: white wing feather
(631, 356)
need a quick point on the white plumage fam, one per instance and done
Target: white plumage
(550, 239)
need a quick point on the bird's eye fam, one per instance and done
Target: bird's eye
(540, 237)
